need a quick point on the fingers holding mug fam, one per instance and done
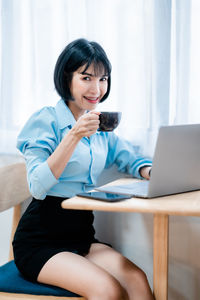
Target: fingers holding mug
(87, 124)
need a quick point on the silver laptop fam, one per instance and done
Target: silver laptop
(176, 165)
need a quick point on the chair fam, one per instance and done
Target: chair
(13, 192)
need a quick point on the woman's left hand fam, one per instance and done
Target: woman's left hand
(145, 172)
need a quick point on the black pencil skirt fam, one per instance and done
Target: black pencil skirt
(46, 229)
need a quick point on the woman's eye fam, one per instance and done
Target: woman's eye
(104, 79)
(86, 78)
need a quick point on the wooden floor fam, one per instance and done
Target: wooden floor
(8, 296)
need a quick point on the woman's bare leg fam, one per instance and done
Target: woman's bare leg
(129, 275)
(79, 275)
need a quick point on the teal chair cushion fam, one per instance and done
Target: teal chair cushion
(11, 281)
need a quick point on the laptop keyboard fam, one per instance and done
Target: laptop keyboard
(135, 189)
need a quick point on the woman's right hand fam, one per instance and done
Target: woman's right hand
(86, 125)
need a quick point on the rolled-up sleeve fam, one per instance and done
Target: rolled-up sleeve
(41, 180)
(37, 141)
(125, 156)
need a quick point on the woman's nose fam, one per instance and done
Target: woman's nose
(95, 88)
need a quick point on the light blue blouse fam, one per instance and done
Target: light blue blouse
(42, 134)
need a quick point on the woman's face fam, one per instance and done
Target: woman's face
(87, 89)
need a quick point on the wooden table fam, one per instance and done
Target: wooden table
(185, 204)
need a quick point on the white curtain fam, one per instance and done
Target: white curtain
(152, 46)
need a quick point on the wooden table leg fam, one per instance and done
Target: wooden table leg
(160, 256)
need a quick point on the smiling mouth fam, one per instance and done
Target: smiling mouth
(92, 99)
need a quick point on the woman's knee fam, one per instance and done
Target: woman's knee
(140, 276)
(108, 288)
(134, 273)
(137, 284)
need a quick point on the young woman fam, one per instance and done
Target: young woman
(64, 155)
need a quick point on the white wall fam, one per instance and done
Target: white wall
(132, 234)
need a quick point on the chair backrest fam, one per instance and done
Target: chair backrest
(13, 185)
(13, 191)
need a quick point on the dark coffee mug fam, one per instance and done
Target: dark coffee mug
(109, 120)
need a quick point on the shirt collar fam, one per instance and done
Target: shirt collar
(64, 115)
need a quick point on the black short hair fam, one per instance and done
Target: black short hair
(76, 54)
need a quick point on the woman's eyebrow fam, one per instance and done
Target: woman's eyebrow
(85, 73)
(89, 74)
